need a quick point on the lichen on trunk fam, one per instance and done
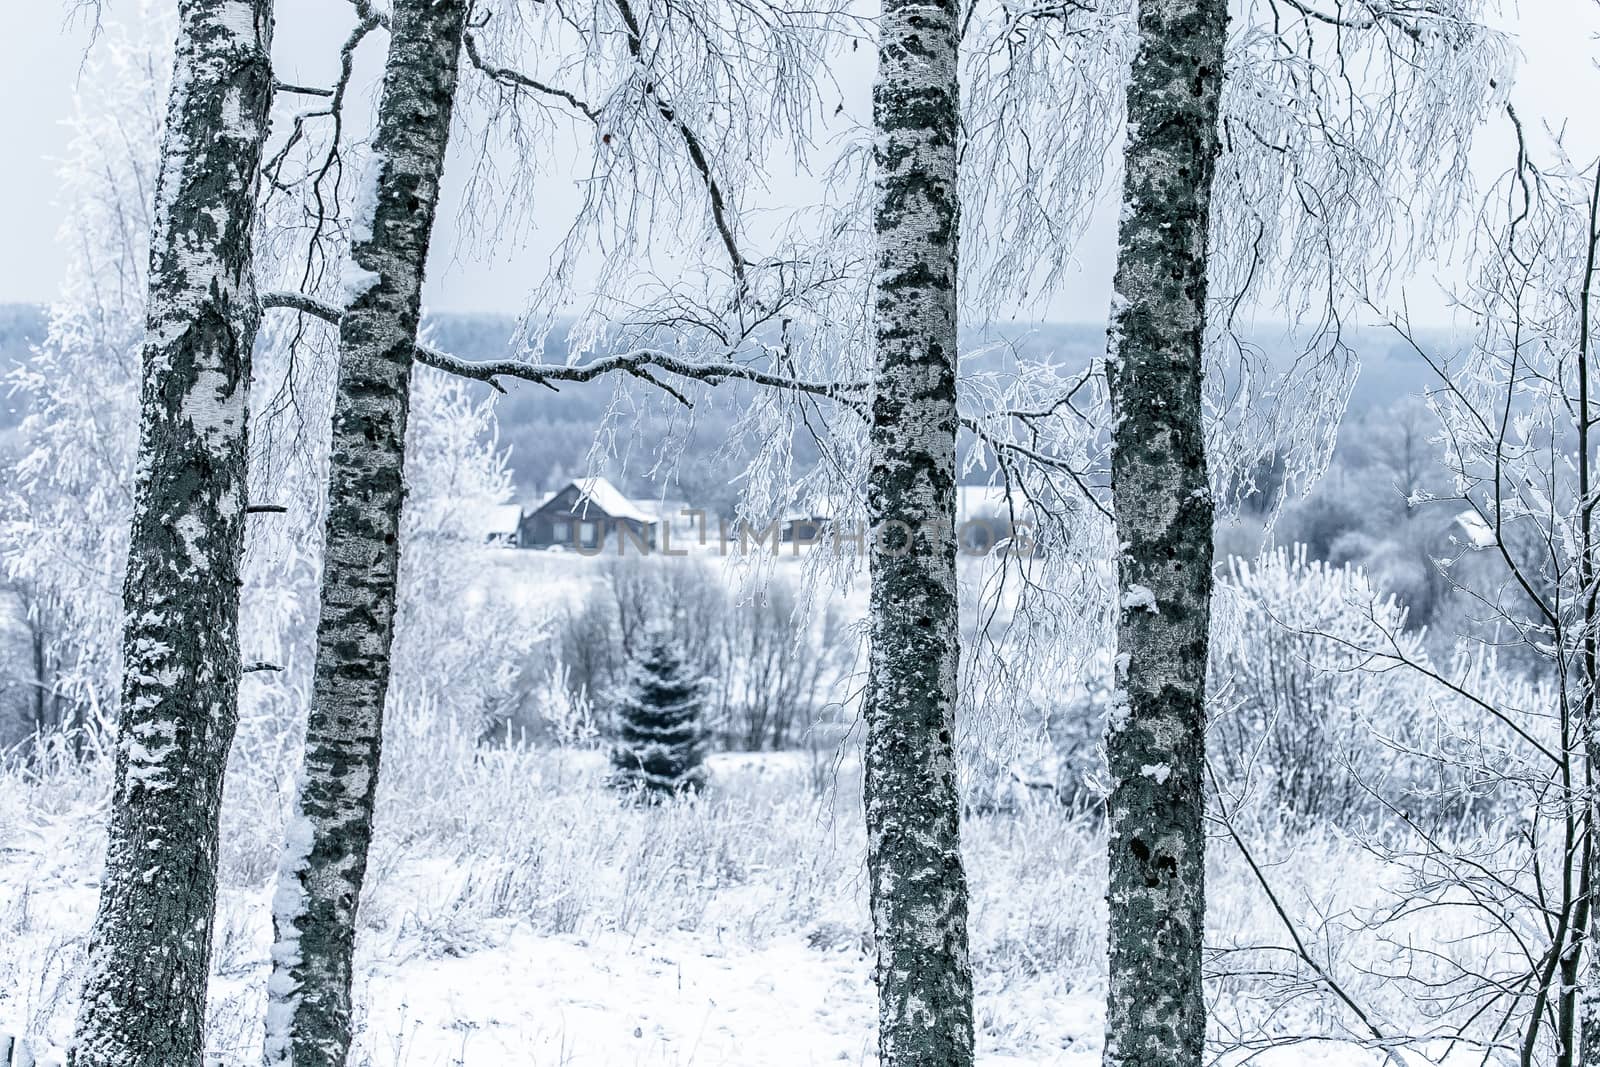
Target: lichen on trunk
(325, 857)
(1155, 740)
(918, 884)
(143, 1002)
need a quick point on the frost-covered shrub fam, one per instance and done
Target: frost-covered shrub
(1306, 698)
(779, 666)
(1043, 750)
(772, 667)
(458, 640)
(68, 505)
(66, 510)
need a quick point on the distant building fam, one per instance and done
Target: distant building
(808, 524)
(806, 529)
(485, 521)
(987, 515)
(984, 516)
(1475, 529)
(583, 514)
(500, 525)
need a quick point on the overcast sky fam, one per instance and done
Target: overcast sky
(40, 49)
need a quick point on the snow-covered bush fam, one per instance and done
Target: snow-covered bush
(458, 640)
(569, 714)
(65, 510)
(67, 505)
(772, 667)
(1300, 706)
(779, 666)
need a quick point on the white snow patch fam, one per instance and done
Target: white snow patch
(1120, 712)
(365, 207)
(288, 908)
(1479, 534)
(214, 406)
(1140, 596)
(355, 281)
(192, 531)
(1159, 771)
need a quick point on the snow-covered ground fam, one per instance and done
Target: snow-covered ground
(517, 914)
(483, 959)
(539, 578)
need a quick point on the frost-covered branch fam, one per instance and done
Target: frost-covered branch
(1324, 976)
(516, 79)
(635, 361)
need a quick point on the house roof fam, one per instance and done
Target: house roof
(1479, 532)
(979, 501)
(821, 507)
(490, 519)
(601, 494)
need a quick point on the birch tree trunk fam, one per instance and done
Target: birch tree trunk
(149, 950)
(1155, 1014)
(325, 856)
(918, 885)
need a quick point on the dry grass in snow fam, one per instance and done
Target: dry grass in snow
(518, 913)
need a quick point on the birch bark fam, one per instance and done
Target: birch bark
(143, 1002)
(918, 884)
(1155, 742)
(325, 855)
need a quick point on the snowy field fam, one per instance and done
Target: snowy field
(584, 937)
(517, 914)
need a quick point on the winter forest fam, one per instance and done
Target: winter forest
(594, 533)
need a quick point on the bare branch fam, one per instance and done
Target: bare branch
(636, 361)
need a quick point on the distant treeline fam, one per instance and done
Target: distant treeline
(550, 434)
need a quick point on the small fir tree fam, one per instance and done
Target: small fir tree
(660, 737)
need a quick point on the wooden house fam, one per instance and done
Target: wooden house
(808, 524)
(500, 525)
(585, 515)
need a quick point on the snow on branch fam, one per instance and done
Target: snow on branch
(636, 361)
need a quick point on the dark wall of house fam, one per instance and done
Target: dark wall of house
(808, 530)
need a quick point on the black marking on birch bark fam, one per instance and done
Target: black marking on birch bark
(918, 884)
(326, 857)
(1155, 1012)
(144, 992)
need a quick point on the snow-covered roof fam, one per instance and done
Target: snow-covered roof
(980, 501)
(605, 496)
(821, 507)
(491, 519)
(1479, 532)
